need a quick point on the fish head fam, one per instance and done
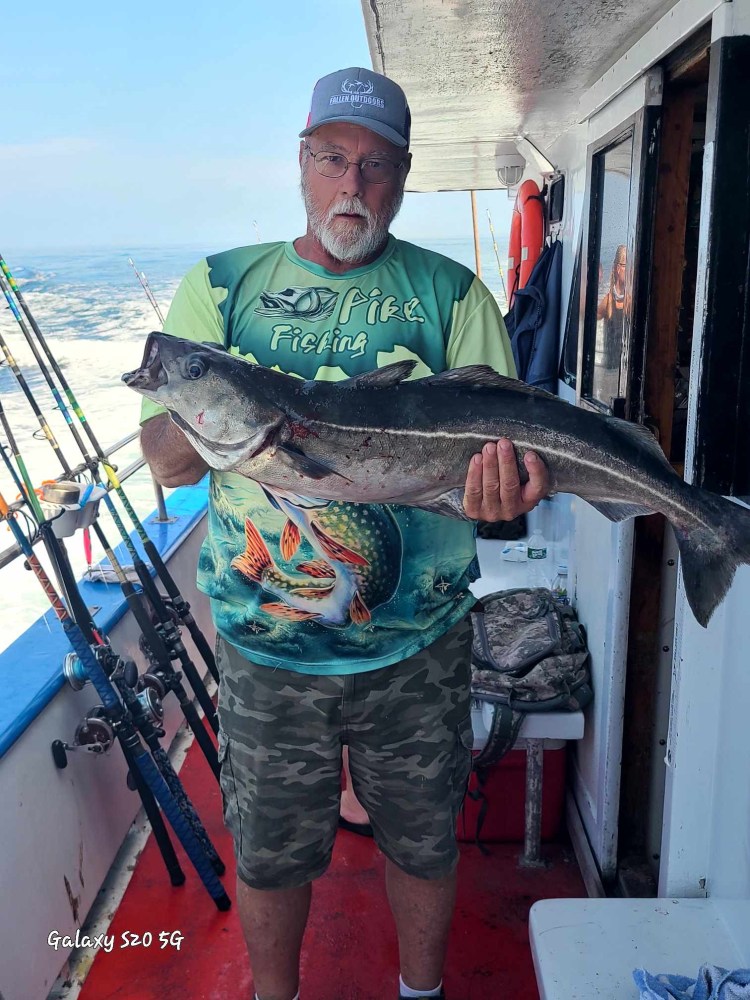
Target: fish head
(298, 302)
(215, 398)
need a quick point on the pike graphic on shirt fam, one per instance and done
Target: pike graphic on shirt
(313, 585)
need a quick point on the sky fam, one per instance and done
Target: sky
(175, 123)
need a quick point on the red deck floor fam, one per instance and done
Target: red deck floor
(350, 950)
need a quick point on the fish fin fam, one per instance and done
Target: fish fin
(481, 377)
(243, 565)
(711, 551)
(643, 437)
(358, 610)
(318, 568)
(290, 539)
(256, 557)
(449, 504)
(382, 378)
(337, 550)
(279, 610)
(302, 463)
(315, 593)
(615, 511)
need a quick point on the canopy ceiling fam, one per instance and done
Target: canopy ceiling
(479, 72)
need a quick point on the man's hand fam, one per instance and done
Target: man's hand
(493, 489)
(173, 460)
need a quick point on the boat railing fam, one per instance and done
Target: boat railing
(7, 556)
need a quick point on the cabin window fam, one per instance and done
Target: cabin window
(608, 306)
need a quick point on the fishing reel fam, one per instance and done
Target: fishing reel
(156, 677)
(153, 682)
(149, 690)
(74, 671)
(94, 735)
(147, 694)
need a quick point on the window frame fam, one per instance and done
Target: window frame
(643, 126)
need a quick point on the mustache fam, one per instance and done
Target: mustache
(350, 206)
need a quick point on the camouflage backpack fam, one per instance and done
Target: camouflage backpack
(529, 655)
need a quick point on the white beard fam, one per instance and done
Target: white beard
(349, 242)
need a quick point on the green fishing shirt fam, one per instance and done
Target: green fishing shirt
(328, 587)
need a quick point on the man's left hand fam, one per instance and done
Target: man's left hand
(493, 490)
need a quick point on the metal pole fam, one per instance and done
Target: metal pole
(161, 505)
(477, 252)
(532, 842)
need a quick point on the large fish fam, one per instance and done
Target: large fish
(378, 438)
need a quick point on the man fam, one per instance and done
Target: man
(360, 609)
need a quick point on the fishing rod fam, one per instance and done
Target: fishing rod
(97, 733)
(121, 721)
(181, 606)
(146, 708)
(497, 255)
(143, 707)
(90, 463)
(174, 641)
(7, 292)
(141, 276)
(160, 642)
(170, 634)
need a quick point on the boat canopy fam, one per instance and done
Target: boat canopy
(480, 72)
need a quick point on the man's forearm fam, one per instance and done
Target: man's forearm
(173, 460)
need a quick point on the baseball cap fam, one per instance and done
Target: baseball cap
(361, 97)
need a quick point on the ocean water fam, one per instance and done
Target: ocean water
(95, 316)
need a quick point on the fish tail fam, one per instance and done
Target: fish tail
(711, 552)
(256, 558)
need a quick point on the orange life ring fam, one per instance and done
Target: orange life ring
(526, 236)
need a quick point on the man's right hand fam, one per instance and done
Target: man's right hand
(173, 460)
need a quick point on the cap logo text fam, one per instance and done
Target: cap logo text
(358, 93)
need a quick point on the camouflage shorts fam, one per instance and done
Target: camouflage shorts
(408, 728)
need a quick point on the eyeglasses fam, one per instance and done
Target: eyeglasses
(374, 170)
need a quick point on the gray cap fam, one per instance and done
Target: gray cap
(361, 97)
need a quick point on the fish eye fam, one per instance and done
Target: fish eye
(195, 366)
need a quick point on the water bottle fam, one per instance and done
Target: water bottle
(536, 560)
(559, 586)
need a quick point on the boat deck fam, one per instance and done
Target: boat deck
(350, 950)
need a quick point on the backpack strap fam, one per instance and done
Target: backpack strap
(501, 737)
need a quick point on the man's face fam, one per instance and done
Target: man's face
(350, 217)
